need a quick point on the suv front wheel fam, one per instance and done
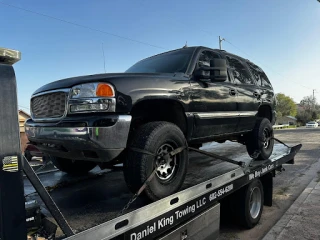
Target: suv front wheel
(156, 138)
(260, 141)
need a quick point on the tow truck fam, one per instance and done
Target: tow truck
(193, 213)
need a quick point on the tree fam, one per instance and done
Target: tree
(304, 116)
(309, 103)
(285, 105)
(310, 110)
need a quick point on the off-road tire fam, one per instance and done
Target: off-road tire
(255, 140)
(138, 166)
(72, 167)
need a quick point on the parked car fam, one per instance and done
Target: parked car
(188, 96)
(312, 124)
(32, 151)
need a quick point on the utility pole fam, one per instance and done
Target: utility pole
(313, 94)
(313, 98)
(220, 42)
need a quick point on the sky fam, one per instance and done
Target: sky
(60, 39)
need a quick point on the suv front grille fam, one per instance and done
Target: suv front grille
(51, 105)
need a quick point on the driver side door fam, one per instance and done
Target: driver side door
(214, 104)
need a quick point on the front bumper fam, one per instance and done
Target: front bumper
(69, 139)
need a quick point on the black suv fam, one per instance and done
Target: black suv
(188, 96)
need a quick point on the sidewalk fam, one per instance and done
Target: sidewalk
(302, 220)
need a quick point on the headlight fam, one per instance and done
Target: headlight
(92, 97)
(89, 90)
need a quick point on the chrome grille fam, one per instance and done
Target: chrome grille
(51, 105)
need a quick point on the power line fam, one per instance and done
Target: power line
(126, 38)
(82, 26)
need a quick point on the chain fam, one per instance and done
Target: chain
(145, 184)
(132, 199)
(256, 153)
(270, 138)
(135, 196)
(281, 142)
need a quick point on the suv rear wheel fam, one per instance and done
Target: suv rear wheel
(158, 138)
(71, 166)
(260, 141)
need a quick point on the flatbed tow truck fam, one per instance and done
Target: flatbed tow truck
(239, 186)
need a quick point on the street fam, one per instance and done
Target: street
(99, 196)
(288, 185)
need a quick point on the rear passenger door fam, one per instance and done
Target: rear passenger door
(248, 100)
(263, 83)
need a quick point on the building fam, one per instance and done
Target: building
(286, 120)
(23, 116)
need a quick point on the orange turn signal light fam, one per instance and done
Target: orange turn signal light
(104, 90)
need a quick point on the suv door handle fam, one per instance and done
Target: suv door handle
(232, 92)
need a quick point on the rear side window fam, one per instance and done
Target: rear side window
(239, 71)
(259, 75)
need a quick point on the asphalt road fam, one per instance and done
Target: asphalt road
(287, 186)
(98, 197)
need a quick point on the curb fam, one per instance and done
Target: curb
(286, 227)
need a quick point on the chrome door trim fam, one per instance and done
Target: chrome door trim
(248, 113)
(217, 114)
(226, 114)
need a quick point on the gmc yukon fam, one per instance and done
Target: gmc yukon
(188, 96)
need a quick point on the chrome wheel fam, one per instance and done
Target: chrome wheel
(167, 164)
(255, 202)
(266, 137)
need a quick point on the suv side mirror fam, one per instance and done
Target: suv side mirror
(217, 71)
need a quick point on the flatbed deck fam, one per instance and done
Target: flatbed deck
(98, 197)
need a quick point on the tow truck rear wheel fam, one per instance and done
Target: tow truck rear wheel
(260, 141)
(249, 204)
(157, 138)
(71, 166)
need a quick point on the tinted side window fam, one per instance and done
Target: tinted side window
(205, 57)
(239, 71)
(265, 80)
(259, 75)
(204, 60)
(255, 72)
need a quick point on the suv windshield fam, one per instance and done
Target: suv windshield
(170, 62)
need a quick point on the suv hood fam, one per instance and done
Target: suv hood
(117, 79)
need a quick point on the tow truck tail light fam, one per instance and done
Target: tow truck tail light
(9, 56)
